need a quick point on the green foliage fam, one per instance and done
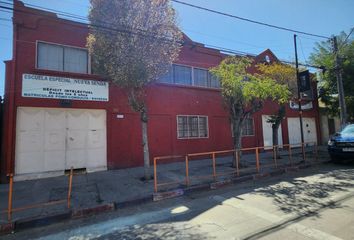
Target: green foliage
(242, 88)
(145, 44)
(323, 56)
(286, 76)
(245, 93)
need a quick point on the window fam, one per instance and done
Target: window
(200, 77)
(185, 75)
(247, 129)
(61, 58)
(168, 77)
(192, 127)
(182, 75)
(214, 81)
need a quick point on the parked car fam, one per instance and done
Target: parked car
(341, 144)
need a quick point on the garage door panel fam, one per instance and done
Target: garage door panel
(54, 140)
(76, 158)
(309, 130)
(96, 139)
(29, 141)
(29, 162)
(77, 119)
(30, 119)
(76, 139)
(268, 133)
(50, 139)
(54, 160)
(54, 119)
(97, 120)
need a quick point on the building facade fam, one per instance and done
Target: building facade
(58, 114)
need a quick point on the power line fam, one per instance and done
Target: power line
(125, 31)
(75, 16)
(346, 39)
(249, 20)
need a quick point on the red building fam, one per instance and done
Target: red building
(58, 114)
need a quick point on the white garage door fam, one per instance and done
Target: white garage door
(268, 133)
(309, 130)
(51, 140)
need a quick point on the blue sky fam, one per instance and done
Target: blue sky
(323, 17)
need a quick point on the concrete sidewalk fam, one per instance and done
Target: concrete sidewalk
(108, 190)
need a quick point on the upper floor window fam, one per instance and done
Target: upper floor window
(186, 75)
(62, 58)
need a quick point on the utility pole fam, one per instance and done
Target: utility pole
(342, 106)
(299, 100)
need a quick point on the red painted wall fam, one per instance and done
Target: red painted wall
(124, 135)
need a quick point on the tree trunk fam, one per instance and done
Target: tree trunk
(237, 122)
(275, 128)
(144, 121)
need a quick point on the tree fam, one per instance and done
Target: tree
(132, 43)
(285, 75)
(328, 94)
(244, 93)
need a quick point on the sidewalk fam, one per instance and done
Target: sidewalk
(108, 190)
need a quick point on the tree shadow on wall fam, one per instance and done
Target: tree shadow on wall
(157, 231)
(304, 197)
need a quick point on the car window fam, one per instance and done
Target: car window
(348, 129)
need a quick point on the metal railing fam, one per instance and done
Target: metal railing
(10, 210)
(237, 158)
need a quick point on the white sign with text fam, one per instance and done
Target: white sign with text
(40, 86)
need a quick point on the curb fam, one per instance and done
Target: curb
(85, 212)
(41, 221)
(21, 224)
(7, 228)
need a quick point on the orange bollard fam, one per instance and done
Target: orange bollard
(155, 176)
(187, 172)
(9, 207)
(70, 185)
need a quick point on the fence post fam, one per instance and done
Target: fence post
(316, 151)
(187, 171)
(257, 159)
(155, 176)
(9, 206)
(70, 186)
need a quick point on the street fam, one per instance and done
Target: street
(313, 203)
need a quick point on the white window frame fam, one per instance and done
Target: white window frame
(173, 75)
(193, 81)
(207, 125)
(63, 45)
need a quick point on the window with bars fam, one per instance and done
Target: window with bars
(62, 58)
(192, 126)
(247, 129)
(186, 75)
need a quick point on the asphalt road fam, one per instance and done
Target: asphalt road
(314, 203)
